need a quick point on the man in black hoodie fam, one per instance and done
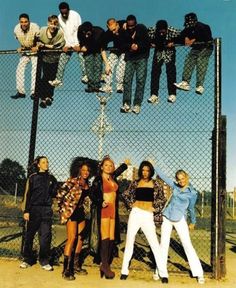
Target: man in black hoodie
(198, 36)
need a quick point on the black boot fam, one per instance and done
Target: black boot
(111, 250)
(105, 266)
(68, 273)
(78, 265)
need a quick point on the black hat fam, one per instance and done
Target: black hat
(161, 24)
(86, 26)
(190, 20)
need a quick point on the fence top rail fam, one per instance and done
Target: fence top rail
(71, 50)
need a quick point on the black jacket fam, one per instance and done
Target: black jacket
(141, 38)
(93, 43)
(41, 188)
(202, 33)
(117, 40)
(97, 200)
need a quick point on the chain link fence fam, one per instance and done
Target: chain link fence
(171, 135)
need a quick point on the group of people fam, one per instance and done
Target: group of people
(90, 209)
(128, 56)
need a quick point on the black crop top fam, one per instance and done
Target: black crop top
(144, 194)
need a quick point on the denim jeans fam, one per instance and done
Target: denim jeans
(93, 67)
(140, 68)
(199, 59)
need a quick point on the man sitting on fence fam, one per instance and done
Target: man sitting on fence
(198, 36)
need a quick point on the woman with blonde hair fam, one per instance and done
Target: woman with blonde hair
(183, 200)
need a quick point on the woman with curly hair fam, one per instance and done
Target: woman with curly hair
(74, 202)
(145, 198)
(104, 195)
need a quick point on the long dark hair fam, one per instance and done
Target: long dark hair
(149, 165)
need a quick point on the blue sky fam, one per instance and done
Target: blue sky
(219, 14)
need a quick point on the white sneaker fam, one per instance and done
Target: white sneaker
(201, 280)
(172, 98)
(55, 83)
(183, 86)
(105, 89)
(199, 90)
(103, 78)
(136, 109)
(155, 275)
(119, 88)
(125, 108)
(154, 99)
(47, 267)
(84, 79)
(24, 265)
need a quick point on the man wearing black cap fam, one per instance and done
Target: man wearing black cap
(162, 38)
(199, 37)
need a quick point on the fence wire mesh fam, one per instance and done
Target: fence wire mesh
(171, 135)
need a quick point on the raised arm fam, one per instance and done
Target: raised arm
(167, 180)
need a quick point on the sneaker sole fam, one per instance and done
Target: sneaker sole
(199, 93)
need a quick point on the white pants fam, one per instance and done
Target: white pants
(139, 218)
(183, 232)
(20, 73)
(113, 59)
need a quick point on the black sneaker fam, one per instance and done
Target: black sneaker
(48, 101)
(18, 96)
(43, 104)
(89, 90)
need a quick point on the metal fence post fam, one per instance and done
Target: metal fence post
(33, 132)
(218, 176)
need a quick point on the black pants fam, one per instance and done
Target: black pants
(49, 71)
(156, 73)
(41, 222)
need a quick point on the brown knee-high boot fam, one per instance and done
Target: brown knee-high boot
(110, 255)
(68, 273)
(78, 265)
(105, 266)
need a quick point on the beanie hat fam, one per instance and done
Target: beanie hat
(190, 20)
(86, 26)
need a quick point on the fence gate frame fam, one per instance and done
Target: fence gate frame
(218, 236)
